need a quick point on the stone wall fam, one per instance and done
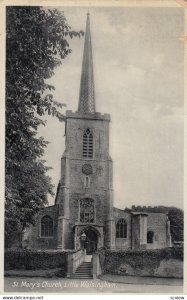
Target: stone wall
(157, 222)
(98, 180)
(138, 224)
(33, 239)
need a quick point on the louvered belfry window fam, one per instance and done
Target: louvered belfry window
(88, 144)
(87, 210)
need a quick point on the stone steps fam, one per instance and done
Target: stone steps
(84, 271)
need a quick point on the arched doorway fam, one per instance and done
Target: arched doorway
(89, 240)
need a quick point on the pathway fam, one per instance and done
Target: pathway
(59, 285)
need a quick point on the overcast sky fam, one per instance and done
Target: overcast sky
(138, 67)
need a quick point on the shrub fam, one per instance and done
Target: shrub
(34, 260)
(111, 260)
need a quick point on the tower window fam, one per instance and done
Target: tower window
(150, 237)
(46, 226)
(121, 229)
(87, 210)
(87, 144)
(87, 182)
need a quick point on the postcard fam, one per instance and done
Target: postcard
(94, 147)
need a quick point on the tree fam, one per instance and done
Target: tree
(36, 43)
(176, 217)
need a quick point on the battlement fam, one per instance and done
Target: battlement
(139, 207)
(149, 209)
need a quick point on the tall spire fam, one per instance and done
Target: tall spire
(87, 93)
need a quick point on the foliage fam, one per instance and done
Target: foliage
(175, 215)
(36, 43)
(34, 260)
(139, 259)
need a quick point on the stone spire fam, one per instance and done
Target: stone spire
(87, 94)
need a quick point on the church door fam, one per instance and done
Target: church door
(90, 243)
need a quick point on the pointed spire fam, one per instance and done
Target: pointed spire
(87, 94)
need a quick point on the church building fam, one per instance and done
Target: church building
(83, 215)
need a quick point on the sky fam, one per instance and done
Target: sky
(138, 69)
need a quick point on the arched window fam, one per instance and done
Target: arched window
(46, 226)
(121, 229)
(87, 144)
(87, 210)
(150, 237)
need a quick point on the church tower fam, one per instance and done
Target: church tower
(85, 196)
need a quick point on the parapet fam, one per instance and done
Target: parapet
(139, 213)
(88, 116)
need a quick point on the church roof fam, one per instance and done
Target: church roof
(87, 93)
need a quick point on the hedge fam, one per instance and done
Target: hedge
(34, 260)
(110, 260)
